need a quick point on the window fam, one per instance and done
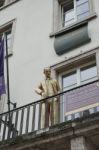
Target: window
(7, 31)
(74, 10)
(73, 73)
(80, 76)
(70, 12)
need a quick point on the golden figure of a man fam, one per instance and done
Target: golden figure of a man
(49, 87)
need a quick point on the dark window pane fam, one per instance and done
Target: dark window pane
(68, 6)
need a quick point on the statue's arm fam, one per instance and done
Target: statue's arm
(39, 89)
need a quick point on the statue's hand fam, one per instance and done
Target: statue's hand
(44, 95)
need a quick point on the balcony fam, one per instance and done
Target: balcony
(73, 105)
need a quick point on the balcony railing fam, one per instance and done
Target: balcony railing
(67, 105)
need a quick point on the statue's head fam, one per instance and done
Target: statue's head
(47, 72)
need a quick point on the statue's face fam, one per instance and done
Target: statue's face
(47, 73)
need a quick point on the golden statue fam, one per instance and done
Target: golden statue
(49, 87)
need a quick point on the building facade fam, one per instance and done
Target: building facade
(63, 35)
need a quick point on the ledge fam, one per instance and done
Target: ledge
(74, 25)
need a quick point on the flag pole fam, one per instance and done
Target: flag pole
(7, 71)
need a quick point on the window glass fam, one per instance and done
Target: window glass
(83, 8)
(81, 16)
(81, 75)
(79, 2)
(68, 12)
(73, 10)
(69, 16)
(88, 72)
(9, 37)
(68, 6)
(69, 80)
(7, 32)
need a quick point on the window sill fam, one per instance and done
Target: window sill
(6, 5)
(74, 25)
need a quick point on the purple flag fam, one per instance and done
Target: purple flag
(2, 83)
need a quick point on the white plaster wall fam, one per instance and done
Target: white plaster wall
(33, 48)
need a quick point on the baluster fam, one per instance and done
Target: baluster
(10, 125)
(5, 125)
(52, 109)
(33, 118)
(27, 120)
(46, 114)
(21, 122)
(58, 111)
(39, 120)
(0, 122)
(15, 125)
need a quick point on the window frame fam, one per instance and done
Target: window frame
(57, 18)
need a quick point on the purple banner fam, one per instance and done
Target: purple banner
(2, 83)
